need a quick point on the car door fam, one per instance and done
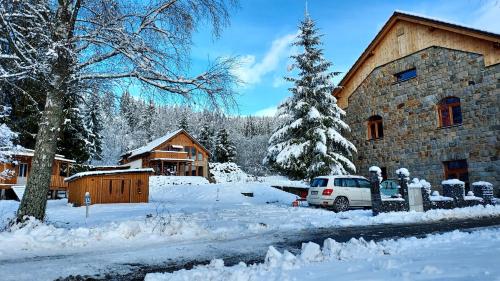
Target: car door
(354, 194)
(364, 188)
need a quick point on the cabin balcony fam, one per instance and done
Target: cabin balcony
(169, 155)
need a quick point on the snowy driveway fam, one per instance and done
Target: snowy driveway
(182, 223)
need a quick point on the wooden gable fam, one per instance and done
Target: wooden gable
(404, 34)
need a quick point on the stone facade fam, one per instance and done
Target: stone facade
(412, 137)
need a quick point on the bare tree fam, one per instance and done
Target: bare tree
(67, 43)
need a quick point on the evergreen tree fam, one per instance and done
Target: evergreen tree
(93, 120)
(205, 137)
(148, 121)
(310, 142)
(183, 122)
(224, 148)
(74, 139)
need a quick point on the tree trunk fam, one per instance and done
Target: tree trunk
(34, 199)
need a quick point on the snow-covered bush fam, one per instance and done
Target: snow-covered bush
(226, 172)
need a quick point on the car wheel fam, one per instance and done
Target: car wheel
(341, 204)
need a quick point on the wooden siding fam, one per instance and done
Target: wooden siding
(109, 188)
(405, 37)
(56, 181)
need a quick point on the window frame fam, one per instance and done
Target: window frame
(411, 71)
(449, 108)
(378, 131)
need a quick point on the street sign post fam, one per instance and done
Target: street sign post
(87, 204)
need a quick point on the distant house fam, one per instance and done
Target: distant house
(21, 168)
(175, 154)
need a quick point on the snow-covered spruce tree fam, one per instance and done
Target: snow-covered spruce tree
(224, 148)
(183, 122)
(64, 44)
(310, 142)
(206, 136)
(94, 124)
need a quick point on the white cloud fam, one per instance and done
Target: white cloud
(488, 16)
(269, 111)
(251, 71)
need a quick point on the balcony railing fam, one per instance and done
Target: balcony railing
(158, 154)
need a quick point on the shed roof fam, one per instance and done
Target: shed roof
(109, 172)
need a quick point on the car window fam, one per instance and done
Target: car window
(364, 183)
(319, 182)
(349, 183)
(337, 182)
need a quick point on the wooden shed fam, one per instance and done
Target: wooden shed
(113, 186)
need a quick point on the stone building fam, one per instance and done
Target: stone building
(425, 95)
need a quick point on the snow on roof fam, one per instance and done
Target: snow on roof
(108, 172)
(151, 145)
(31, 153)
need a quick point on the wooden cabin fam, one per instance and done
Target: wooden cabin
(175, 154)
(20, 168)
(111, 186)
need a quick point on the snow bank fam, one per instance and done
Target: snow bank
(471, 256)
(173, 180)
(36, 236)
(227, 172)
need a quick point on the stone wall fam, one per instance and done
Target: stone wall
(412, 136)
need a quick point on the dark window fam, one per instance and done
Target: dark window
(457, 169)
(23, 170)
(384, 172)
(349, 183)
(405, 75)
(319, 182)
(375, 128)
(364, 183)
(450, 112)
(63, 169)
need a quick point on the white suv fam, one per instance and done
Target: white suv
(339, 192)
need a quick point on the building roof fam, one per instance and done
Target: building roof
(31, 153)
(109, 172)
(411, 17)
(157, 142)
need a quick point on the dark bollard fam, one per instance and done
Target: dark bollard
(484, 190)
(455, 189)
(375, 193)
(403, 185)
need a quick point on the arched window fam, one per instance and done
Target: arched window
(450, 112)
(375, 128)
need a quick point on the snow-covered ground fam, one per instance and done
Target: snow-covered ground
(180, 213)
(449, 256)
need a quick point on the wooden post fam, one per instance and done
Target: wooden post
(162, 171)
(178, 172)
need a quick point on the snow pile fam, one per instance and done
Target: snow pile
(375, 169)
(36, 236)
(175, 180)
(453, 182)
(482, 183)
(471, 255)
(416, 183)
(404, 172)
(227, 172)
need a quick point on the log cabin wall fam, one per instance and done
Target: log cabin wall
(110, 188)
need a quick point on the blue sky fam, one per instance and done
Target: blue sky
(261, 32)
